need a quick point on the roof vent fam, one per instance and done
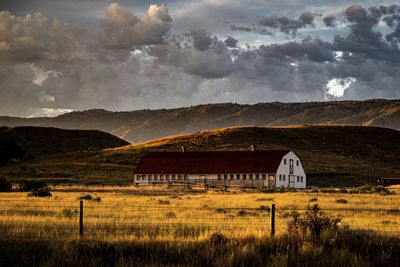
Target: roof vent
(253, 148)
(183, 148)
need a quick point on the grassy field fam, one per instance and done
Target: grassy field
(150, 220)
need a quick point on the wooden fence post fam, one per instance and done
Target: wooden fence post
(81, 218)
(272, 220)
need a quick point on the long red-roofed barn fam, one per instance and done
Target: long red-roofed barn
(270, 168)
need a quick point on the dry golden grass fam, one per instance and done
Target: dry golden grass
(126, 213)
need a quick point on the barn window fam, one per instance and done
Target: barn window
(237, 176)
(297, 162)
(251, 176)
(161, 177)
(284, 161)
(301, 179)
(231, 176)
(173, 177)
(167, 177)
(280, 177)
(185, 177)
(257, 176)
(219, 176)
(150, 177)
(225, 176)
(264, 176)
(179, 177)
(155, 177)
(244, 176)
(284, 177)
(298, 179)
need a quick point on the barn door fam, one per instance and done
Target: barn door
(271, 181)
(291, 180)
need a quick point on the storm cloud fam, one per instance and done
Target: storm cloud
(133, 57)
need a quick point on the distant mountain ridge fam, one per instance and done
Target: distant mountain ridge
(143, 125)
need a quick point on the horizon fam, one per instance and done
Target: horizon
(57, 114)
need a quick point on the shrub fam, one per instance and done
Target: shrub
(85, 197)
(41, 192)
(31, 185)
(5, 186)
(96, 199)
(221, 210)
(264, 208)
(314, 199)
(313, 221)
(68, 213)
(163, 202)
(341, 200)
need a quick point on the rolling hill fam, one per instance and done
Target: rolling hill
(37, 142)
(332, 154)
(142, 125)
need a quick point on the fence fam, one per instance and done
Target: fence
(115, 220)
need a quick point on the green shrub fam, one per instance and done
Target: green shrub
(5, 186)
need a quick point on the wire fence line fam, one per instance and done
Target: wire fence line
(97, 218)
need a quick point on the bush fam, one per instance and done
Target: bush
(314, 199)
(41, 192)
(341, 201)
(163, 202)
(85, 197)
(97, 199)
(5, 186)
(31, 185)
(221, 210)
(68, 213)
(313, 221)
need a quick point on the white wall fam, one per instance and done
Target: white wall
(209, 177)
(298, 171)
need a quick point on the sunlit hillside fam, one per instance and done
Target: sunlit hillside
(332, 155)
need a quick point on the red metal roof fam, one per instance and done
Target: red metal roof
(266, 161)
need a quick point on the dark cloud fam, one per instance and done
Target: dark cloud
(231, 42)
(135, 63)
(287, 25)
(202, 40)
(329, 21)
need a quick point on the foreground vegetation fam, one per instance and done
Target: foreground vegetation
(344, 248)
(127, 226)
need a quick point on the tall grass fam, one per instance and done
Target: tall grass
(158, 227)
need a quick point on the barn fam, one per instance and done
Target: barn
(269, 168)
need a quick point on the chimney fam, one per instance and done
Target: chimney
(253, 148)
(183, 148)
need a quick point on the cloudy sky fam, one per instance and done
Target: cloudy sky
(62, 55)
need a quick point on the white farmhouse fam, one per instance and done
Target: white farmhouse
(269, 168)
